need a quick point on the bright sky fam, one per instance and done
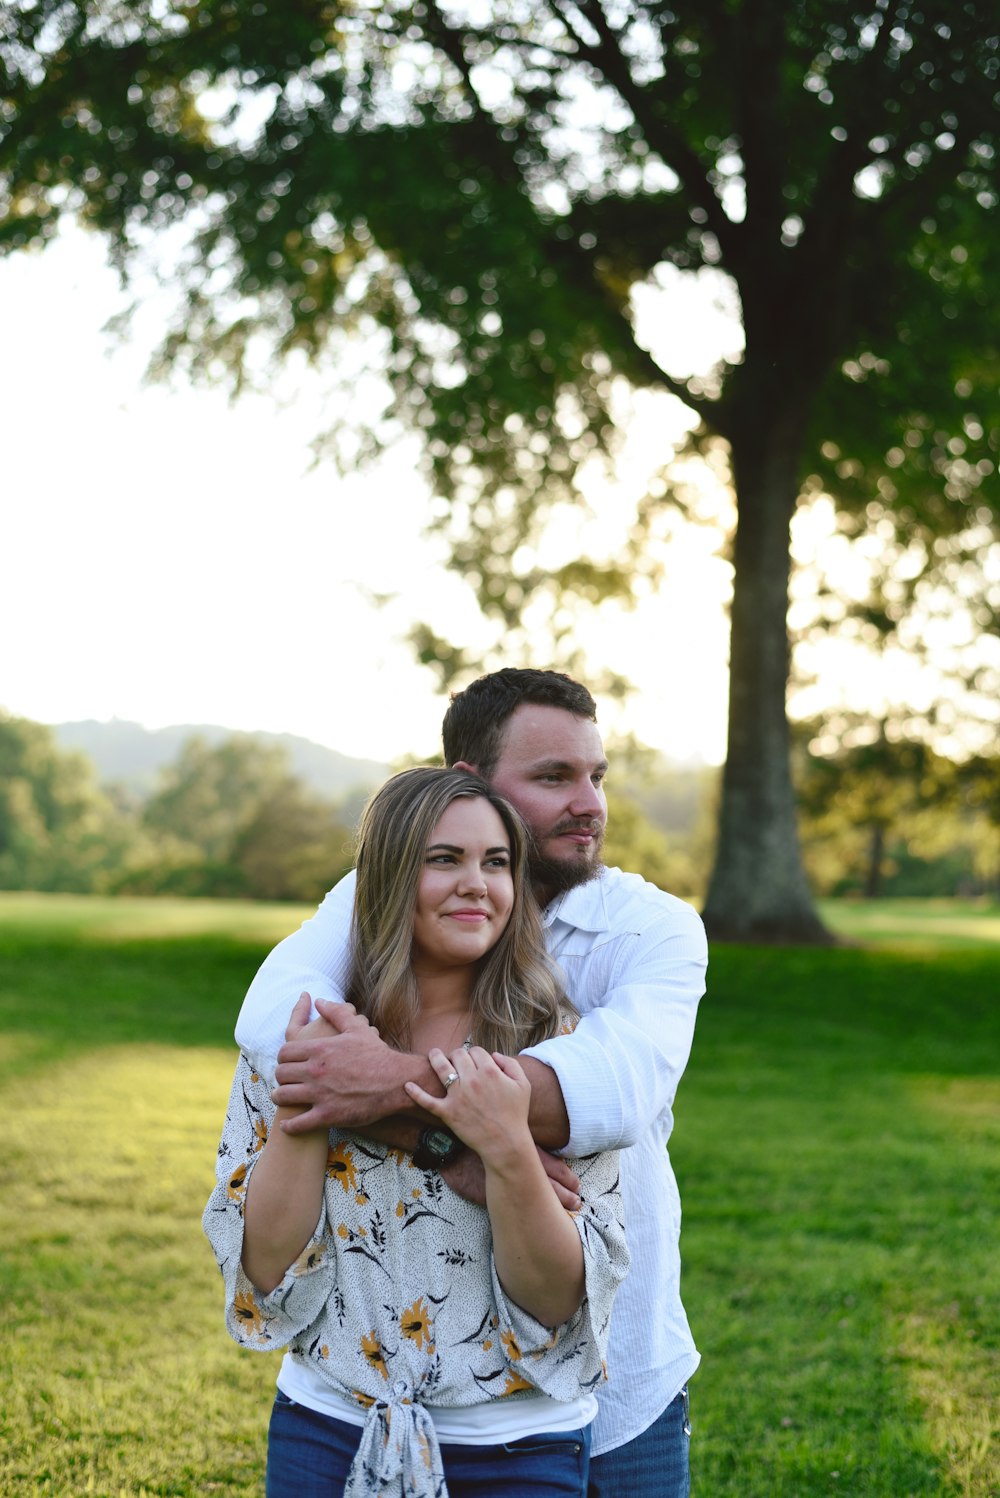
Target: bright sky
(170, 558)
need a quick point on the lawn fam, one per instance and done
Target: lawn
(836, 1144)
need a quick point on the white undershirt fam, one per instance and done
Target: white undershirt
(490, 1424)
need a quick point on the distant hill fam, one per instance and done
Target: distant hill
(131, 755)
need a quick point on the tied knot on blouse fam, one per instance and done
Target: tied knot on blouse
(399, 1456)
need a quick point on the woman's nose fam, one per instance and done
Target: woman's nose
(472, 881)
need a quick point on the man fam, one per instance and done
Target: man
(634, 960)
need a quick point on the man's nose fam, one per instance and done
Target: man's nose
(588, 800)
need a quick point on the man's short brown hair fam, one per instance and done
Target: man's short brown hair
(474, 724)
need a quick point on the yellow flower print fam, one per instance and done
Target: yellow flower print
(309, 1259)
(237, 1184)
(248, 1313)
(400, 1209)
(340, 1167)
(487, 1345)
(510, 1346)
(515, 1383)
(415, 1323)
(365, 1400)
(343, 1231)
(374, 1353)
(260, 1134)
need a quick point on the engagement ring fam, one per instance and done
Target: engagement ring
(451, 1077)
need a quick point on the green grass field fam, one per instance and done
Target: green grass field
(836, 1144)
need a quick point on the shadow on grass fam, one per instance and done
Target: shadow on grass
(66, 997)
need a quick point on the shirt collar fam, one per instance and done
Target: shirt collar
(583, 907)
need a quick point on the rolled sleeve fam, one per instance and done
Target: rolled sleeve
(620, 1068)
(253, 1318)
(563, 1360)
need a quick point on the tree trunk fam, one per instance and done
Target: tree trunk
(758, 890)
(876, 853)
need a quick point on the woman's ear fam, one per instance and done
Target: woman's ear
(463, 764)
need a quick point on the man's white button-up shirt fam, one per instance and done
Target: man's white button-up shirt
(634, 959)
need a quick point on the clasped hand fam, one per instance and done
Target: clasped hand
(335, 1068)
(327, 1067)
(486, 1105)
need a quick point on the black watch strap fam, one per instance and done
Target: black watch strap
(436, 1147)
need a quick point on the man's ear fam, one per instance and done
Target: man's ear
(463, 764)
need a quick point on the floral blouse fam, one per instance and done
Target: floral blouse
(395, 1300)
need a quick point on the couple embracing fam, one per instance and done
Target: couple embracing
(393, 1212)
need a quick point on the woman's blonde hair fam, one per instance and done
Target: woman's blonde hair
(517, 998)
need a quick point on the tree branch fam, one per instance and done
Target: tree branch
(609, 60)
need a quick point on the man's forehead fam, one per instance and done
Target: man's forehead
(551, 738)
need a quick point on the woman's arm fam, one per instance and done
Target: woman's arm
(283, 1203)
(285, 1191)
(536, 1247)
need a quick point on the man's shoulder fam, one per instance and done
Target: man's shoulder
(631, 900)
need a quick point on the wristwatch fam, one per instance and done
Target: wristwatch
(436, 1147)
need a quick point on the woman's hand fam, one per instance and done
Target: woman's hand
(301, 1027)
(536, 1247)
(486, 1104)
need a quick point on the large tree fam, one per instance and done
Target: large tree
(489, 184)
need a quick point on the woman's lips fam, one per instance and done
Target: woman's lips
(471, 916)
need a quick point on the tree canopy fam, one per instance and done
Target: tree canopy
(488, 187)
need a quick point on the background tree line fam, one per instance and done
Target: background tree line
(231, 820)
(225, 820)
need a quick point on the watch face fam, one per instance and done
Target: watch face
(438, 1141)
(437, 1147)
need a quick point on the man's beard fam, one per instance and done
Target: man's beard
(556, 875)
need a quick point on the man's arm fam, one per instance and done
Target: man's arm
(619, 1070)
(316, 958)
(353, 1080)
(350, 1080)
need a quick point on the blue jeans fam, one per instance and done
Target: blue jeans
(654, 1465)
(309, 1456)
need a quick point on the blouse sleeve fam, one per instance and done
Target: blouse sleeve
(253, 1318)
(562, 1361)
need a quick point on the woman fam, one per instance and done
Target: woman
(428, 1338)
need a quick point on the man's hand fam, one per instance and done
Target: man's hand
(339, 1070)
